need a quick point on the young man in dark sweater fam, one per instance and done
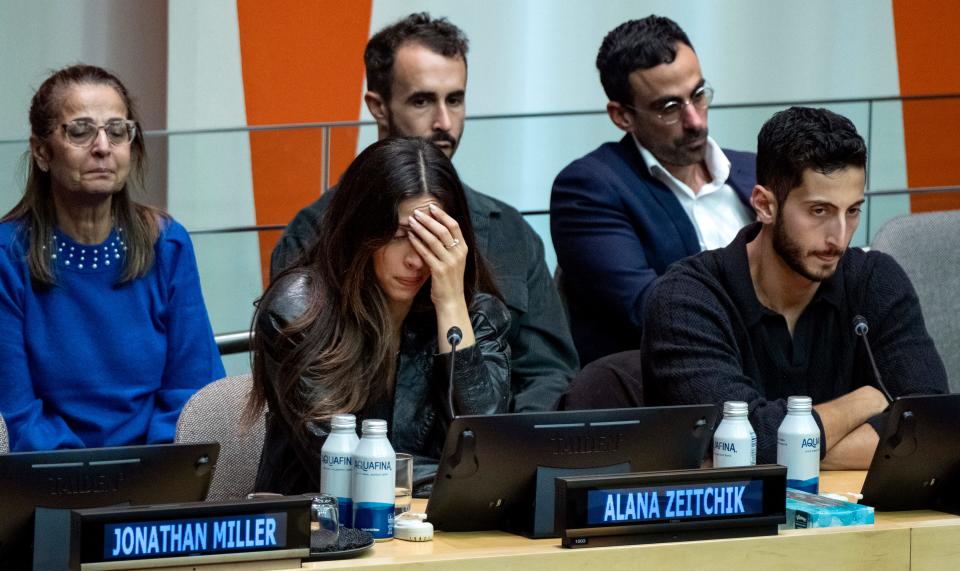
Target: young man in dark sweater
(771, 314)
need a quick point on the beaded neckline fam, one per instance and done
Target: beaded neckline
(68, 254)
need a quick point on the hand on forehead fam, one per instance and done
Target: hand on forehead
(409, 206)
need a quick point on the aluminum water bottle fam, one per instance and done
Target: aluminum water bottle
(336, 464)
(734, 442)
(798, 446)
(374, 481)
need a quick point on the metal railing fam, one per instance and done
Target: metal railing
(239, 341)
(327, 127)
(234, 342)
(868, 195)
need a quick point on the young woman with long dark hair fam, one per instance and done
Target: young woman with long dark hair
(360, 324)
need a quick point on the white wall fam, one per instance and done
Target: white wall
(210, 174)
(39, 36)
(182, 59)
(532, 56)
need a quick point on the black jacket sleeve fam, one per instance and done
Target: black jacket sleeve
(543, 355)
(481, 381)
(907, 359)
(287, 464)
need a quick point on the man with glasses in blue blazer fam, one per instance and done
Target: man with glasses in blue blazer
(624, 212)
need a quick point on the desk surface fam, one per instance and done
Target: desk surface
(919, 540)
(899, 540)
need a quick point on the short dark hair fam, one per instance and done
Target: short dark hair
(438, 35)
(801, 138)
(637, 44)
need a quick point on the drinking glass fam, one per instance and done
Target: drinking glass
(404, 486)
(324, 524)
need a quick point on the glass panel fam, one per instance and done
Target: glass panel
(230, 274)
(888, 168)
(206, 181)
(13, 173)
(516, 160)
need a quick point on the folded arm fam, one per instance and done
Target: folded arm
(854, 451)
(844, 415)
(848, 439)
(692, 354)
(906, 358)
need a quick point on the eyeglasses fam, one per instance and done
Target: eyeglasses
(82, 132)
(671, 111)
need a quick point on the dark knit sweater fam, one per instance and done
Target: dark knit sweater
(707, 338)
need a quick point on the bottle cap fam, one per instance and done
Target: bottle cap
(343, 421)
(374, 426)
(799, 404)
(734, 408)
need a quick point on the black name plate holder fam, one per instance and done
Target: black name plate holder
(184, 534)
(674, 505)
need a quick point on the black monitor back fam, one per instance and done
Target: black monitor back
(917, 461)
(95, 477)
(497, 471)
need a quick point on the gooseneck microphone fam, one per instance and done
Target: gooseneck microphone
(454, 337)
(861, 328)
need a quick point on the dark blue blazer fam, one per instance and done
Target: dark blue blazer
(615, 229)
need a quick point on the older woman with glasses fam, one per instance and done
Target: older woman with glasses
(104, 331)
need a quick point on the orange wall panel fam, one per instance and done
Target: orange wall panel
(302, 61)
(927, 44)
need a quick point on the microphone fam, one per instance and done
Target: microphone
(861, 328)
(454, 337)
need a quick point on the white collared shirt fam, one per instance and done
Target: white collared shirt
(716, 211)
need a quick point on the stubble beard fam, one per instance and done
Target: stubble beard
(676, 153)
(793, 256)
(435, 137)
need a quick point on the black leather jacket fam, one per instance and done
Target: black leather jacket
(542, 355)
(419, 414)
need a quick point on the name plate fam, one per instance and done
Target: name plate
(195, 536)
(187, 534)
(676, 505)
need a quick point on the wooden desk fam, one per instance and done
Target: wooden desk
(904, 540)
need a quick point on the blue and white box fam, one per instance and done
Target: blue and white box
(808, 511)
